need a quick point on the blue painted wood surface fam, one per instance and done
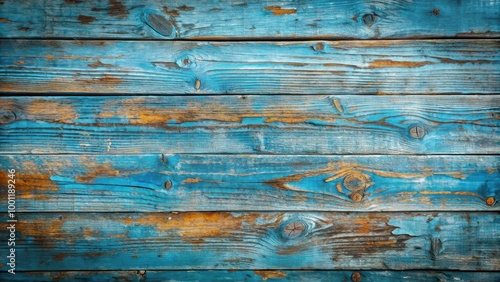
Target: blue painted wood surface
(251, 240)
(191, 19)
(347, 124)
(149, 183)
(111, 186)
(314, 67)
(255, 275)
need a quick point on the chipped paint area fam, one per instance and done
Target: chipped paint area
(266, 274)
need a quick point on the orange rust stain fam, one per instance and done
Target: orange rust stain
(192, 180)
(59, 111)
(397, 64)
(278, 11)
(354, 19)
(95, 170)
(19, 62)
(491, 170)
(266, 274)
(4, 20)
(198, 225)
(85, 19)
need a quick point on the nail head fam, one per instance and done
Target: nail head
(417, 132)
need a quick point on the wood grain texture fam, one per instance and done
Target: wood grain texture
(132, 183)
(316, 67)
(452, 124)
(250, 240)
(255, 275)
(193, 19)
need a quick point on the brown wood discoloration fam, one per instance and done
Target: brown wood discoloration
(85, 19)
(99, 64)
(396, 64)
(192, 226)
(266, 274)
(116, 8)
(139, 114)
(192, 180)
(95, 170)
(278, 11)
(58, 111)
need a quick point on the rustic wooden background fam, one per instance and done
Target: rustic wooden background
(348, 140)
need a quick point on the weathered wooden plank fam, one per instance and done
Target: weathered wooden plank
(250, 240)
(250, 124)
(255, 275)
(249, 19)
(334, 67)
(241, 183)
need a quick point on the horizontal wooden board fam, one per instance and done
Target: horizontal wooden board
(243, 183)
(222, 240)
(254, 275)
(316, 67)
(465, 124)
(249, 19)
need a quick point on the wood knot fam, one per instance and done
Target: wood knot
(436, 247)
(356, 181)
(7, 117)
(356, 197)
(168, 184)
(186, 62)
(160, 24)
(318, 47)
(490, 201)
(369, 19)
(294, 229)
